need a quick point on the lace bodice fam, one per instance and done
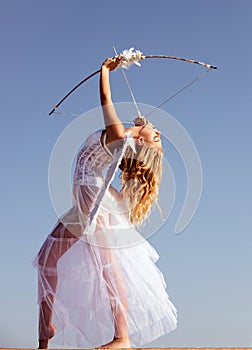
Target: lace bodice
(91, 160)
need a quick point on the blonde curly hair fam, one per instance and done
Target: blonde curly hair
(141, 177)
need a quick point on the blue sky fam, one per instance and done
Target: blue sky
(46, 48)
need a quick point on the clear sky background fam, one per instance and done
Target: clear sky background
(46, 48)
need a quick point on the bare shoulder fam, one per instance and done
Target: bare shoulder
(111, 141)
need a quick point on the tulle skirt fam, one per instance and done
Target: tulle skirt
(97, 284)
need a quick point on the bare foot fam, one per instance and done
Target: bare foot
(117, 343)
(43, 343)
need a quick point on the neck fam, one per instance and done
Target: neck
(134, 130)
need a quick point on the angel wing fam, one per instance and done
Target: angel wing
(110, 174)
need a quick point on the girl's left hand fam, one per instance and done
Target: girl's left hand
(112, 62)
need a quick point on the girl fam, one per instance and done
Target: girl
(97, 278)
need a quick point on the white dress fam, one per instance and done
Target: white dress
(106, 272)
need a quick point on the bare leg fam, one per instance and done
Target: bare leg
(117, 291)
(48, 262)
(48, 280)
(46, 327)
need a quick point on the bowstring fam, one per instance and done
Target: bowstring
(201, 75)
(129, 87)
(130, 90)
(68, 114)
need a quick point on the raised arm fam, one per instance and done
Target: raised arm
(114, 126)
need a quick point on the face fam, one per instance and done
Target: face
(149, 133)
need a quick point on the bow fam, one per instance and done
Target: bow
(130, 57)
